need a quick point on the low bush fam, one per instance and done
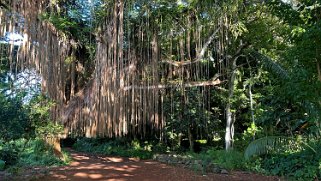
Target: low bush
(301, 165)
(21, 153)
(119, 147)
(9, 153)
(38, 153)
(230, 160)
(296, 159)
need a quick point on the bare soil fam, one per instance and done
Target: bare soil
(91, 167)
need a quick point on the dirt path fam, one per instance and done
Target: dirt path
(88, 167)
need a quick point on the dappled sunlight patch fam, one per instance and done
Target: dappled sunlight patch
(122, 169)
(92, 166)
(59, 176)
(127, 175)
(81, 174)
(130, 166)
(117, 179)
(95, 176)
(134, 159)
(95, 169)
(150, 163)
(114, 159)
(79, 157)
(74, 164)
(89, 167)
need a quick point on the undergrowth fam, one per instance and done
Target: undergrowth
(26, 153)
(119, 147)
(231, 160)
(302, 164)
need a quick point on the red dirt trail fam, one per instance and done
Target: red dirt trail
(90, 167)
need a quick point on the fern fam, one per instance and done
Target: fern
(265, 145)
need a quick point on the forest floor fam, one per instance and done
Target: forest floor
(92, 167)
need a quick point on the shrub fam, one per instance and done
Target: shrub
(14, 122)
(119, 147)
(2, 164)
(160, 148)
(20, 153)
(302, 165)
(39, 153)
(298, 162)
(227, 159)
(9, 153)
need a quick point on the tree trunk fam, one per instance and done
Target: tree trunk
(54, 142)
(73, 77)
(229, 132)
(228, 135)
(251, 107)
(190, 138)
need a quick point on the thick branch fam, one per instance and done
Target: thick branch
(164, 86)
(200, 55)
(209, 41)
(239, 50)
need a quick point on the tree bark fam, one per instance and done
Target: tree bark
(229, 130)
(251, 106)
(230, 118)
(190, 138)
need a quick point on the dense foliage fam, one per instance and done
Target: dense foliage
(24, 123)
(14, 122)
(119, 147)
(33, 152)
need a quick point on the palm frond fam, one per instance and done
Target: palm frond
(265, 145)
(271, 65)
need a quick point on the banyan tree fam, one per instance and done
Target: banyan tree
(152, 60)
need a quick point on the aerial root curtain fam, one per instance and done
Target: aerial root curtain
(106, 107)
(126, 93)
